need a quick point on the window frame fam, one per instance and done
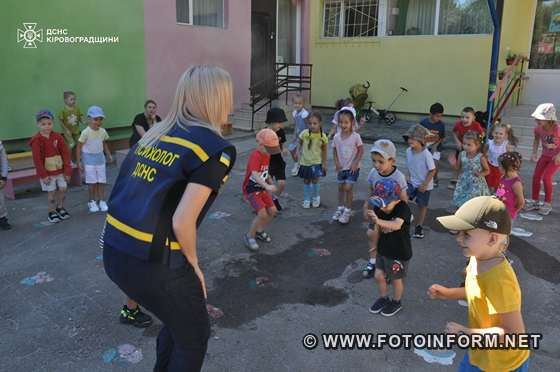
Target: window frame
(191, 16)
(382, 17)
(341, 21)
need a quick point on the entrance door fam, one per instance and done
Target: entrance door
(263, 49)
(544, 62)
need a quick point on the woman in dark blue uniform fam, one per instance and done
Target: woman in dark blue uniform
(165, 186)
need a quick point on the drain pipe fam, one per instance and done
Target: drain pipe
(496, 11)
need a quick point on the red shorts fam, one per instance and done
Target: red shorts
(493, 179)
(260, 200)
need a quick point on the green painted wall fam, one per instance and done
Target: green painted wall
(450, 69)
(109, 75)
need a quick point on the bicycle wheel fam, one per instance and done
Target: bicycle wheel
(390, 118)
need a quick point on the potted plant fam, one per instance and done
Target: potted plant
(510, 58)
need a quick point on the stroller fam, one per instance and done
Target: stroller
(366, 109)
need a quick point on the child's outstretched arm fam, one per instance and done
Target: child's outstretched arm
(454, 162)
(392, 225)
(263, 182)
(458, 143)
(510, 323)
(439, 292)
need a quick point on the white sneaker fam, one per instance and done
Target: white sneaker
(93, 207)
(306, 204)
(336, 216)
(521, 233)
(103, 206)
(545, 209)
(531, 205)
(316, 202)
(295, 169)
(345, 218)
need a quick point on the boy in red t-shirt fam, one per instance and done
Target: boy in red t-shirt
(257, 187)
(52, 162)
(467, 123)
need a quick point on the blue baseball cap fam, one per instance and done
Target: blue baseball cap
(95, 112)
(44, 114)
(384, 192)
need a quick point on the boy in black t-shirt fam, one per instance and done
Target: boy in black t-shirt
(434, 141)
(392, 217)
(275, 119)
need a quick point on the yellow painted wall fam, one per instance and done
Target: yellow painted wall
(517, 27)
(450, 69)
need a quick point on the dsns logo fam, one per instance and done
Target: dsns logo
(29, 35)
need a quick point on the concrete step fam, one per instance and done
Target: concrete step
(521, 110)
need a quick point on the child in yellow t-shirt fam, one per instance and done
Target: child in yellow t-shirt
(70, 119)
(491, 288)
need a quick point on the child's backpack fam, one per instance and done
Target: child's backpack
(482, 118)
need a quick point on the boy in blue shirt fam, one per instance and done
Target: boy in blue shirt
(434, 141)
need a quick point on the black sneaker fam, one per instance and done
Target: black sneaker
(53, 217)
(391, 308)
(419, 232)
(135, 317)
(277, 204)
(4, 225)
(379, 305)
(62, 213)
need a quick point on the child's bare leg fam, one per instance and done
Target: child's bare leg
(91, 191)
(51, 199)
(373, 239)
(60, 195)
(422, 211)
(341, 195)
(263, 218)
(398, 288)
(349, 195)
(381, 282)
(281, 186)
(101, 191)
(270, 213)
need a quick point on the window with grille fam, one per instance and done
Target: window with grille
(200, 12)
(350, 18)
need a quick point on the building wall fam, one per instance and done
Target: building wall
(108, 75)
(170, 48)
(517, 27)
(448, 68)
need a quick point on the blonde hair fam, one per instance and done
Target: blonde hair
(204, 97)
(298, 98)
(512, 139)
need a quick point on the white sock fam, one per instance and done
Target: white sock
(372, 261)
